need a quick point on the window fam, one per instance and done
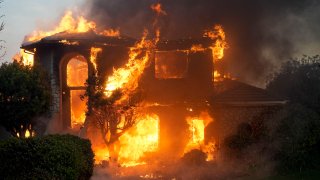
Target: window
(171, 64)
(77, 74)
(77, 71)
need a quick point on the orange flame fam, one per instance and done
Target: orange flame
(158, 9)
(141, 139)
(72, 25)
(220, 43)
(220, 77)
(26, 57)
(126, 78)
(197, 125)
(93, 56)
(197, 48)
(111, 32)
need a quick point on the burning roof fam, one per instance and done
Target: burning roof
(92, 38)
(89, 38)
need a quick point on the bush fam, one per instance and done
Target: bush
(194, 157)
(298, 139)
(49, 157)
(242, 139)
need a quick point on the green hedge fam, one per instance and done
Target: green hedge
(49, 157)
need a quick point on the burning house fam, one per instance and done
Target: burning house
(184, 106)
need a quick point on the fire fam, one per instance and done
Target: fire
(93, 56)
(111, 32)
(220, 77)
(77, 74)
(134, 144)
(220, 44)
(72, 25)
(158, 9)
(78, 108)
(197, 126)
(26, 57)
(28, 133)
(142, 138)
(126, 78)
(197, 48)
(218, 36)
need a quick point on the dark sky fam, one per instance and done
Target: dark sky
(261, 33)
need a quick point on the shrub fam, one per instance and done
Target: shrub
(194, 157)
(49, 157)
(242, 139)
(298, 138)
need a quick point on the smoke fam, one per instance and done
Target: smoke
(261, 34)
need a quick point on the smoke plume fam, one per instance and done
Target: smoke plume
(261, 34)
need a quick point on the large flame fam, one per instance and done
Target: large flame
(197, 126)
(126, 78)
(26, 57)
(134, 144)
(218, 35)
(142, 138)
(72, 25)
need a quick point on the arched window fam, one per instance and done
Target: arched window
(76, 76)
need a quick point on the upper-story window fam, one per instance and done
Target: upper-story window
(171, 64)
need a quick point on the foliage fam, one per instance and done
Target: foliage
(299, 81)
(48, 157)
(194, 157)
(298, 136)
(296, 129)
(24, 95)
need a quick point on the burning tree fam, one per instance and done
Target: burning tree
(113, 104)
(110, 117)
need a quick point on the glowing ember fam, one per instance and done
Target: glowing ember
(219, 77)
(28, 133)
(197, 48)
(111, 32)
(158, 9)
(69, 42)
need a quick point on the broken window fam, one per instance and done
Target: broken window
(171, 64)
